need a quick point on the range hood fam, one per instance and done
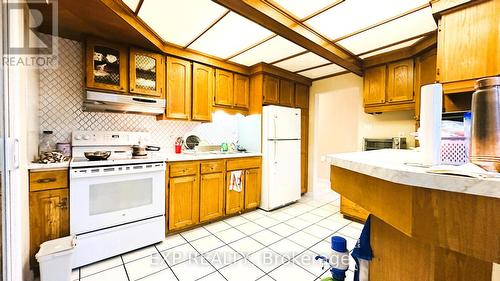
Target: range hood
(106, 102)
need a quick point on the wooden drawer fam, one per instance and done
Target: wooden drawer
(208, 167)
(243, 163)
(183, 169)
(46, 180)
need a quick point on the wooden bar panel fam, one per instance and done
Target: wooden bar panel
(399, 257)
(464, 223)
(388, 201)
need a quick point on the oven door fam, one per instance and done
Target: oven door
(102, 197)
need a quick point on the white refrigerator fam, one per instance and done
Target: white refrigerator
(281, 156)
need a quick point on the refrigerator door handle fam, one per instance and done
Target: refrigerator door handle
(274, 123)
(275, 147)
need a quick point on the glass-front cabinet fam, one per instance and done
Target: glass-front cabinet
(106, 66)
(147, 73)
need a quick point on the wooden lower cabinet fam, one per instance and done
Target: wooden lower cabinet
(252, 188)
(48, 208)
(234, 200)
(183, 202)
(198, 191)
(49, 217)
(211, 196)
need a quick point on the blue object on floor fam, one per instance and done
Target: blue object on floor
(362, 253)
(339, 259)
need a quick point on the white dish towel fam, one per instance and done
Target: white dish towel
(236, 183)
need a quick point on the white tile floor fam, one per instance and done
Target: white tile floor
(278, 245)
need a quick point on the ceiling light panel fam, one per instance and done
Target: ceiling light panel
(403, 28)
(230, 35)
(304, 61)
(132, 4)
(354, 15)
(272, 50)
(322, 71)
(180, 22)
(303, 8)
(392, 48)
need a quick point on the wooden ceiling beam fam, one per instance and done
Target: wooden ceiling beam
(277, 21)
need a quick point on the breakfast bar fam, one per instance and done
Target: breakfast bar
(424, 226)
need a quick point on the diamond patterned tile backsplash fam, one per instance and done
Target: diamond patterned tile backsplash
(61, 98)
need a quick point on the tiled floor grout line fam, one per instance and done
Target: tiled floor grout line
(124, 267)
(168, 265)
(203, 257)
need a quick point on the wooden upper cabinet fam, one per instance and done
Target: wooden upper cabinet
(271, 90)
(183, 202)
(469, 43)
(234, 200)
(106, 66)
(178, 88)
(301, 96)
(49, 217)
(374, 85)
(203, 92)
(211, 196)
(223, 88)
(241, 91)
(252, 188)
(287, 93)
(147, 73)
(425, 73)
(400, 81)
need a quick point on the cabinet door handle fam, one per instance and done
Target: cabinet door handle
(63, 204)
(46, 180)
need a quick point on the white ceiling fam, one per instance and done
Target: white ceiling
(322, 71)
(272, 50)
(400, 29)
(180, 22)
(392, 48)
(230, 35)
(206, 27)
(301, 62)
(303, 8)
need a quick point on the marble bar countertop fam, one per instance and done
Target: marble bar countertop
(389, 165)
(51, 166)
(207, 156)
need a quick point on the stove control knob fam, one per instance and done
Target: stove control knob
(86, 137)
(78, 137)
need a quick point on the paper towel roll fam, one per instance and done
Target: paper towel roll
(429, 136)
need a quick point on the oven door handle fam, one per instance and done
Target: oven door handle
(118, 170)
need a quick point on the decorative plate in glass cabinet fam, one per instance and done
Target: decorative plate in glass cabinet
(106, 66)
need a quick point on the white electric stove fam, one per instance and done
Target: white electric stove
(116, 205)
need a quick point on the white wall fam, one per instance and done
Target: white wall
(338, 124)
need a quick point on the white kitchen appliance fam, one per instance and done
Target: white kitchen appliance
(116, 205)
(281, 156)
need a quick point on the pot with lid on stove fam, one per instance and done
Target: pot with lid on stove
(141, 150)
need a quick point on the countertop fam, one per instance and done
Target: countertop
(208, 156)
(169, 158)
(389, 165)
(51, 166)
